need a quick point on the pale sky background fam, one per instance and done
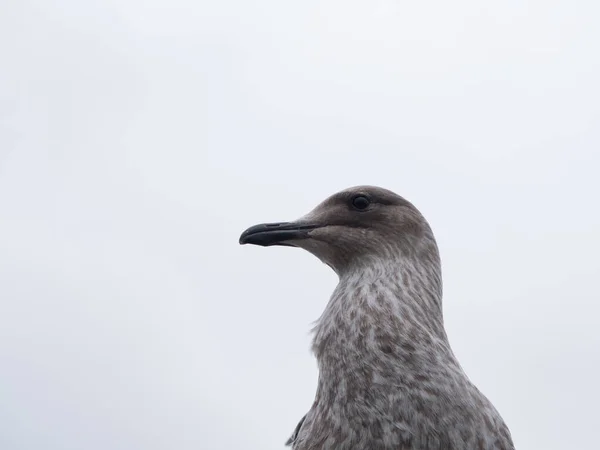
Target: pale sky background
(138, 139)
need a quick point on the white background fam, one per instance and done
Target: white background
(138, 139)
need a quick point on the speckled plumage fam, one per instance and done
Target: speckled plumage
(388, 378)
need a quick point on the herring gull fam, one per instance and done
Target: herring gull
(388, 378)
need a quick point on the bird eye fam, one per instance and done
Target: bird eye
(361, 202)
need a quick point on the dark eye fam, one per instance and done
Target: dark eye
(361, 202)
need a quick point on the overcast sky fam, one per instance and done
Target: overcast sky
(138, 139)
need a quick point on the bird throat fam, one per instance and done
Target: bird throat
(381, 331)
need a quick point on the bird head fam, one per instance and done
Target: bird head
(350, 228)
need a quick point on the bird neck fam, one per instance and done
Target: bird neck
(384, 320)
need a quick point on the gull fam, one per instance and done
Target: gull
(388, 378)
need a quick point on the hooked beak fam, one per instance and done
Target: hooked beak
(267, 234)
